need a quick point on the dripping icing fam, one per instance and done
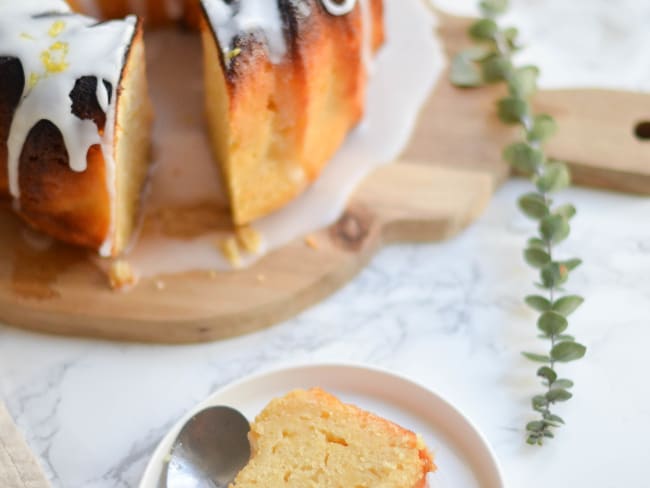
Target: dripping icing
(55, 50)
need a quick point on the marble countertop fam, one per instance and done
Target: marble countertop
(448, 314)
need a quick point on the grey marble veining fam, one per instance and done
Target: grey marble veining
(448, 314)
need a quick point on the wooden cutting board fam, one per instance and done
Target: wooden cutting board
(443, 182)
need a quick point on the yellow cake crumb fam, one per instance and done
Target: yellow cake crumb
(249, 239)
(230, 251)
(121, 275)
(261, 278)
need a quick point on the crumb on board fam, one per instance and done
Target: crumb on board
(249, 239)
(311, 241)
(212, 274)
(230, 251)
(121, 275)
(261, 278)
(160, 285)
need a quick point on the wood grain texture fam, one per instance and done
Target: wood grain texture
(455, 166)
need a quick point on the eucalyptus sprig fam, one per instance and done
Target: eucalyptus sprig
(490, 60)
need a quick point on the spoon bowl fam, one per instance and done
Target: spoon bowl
(210, 450)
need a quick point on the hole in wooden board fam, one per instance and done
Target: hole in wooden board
(642, 130)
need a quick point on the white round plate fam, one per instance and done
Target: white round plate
(463, 456)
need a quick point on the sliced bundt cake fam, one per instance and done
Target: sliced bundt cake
(284, 81)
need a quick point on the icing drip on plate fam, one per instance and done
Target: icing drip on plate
(56, 48)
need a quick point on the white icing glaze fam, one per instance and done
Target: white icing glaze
(257, 17)
(78, 46)
(179, 136)
(340, 7)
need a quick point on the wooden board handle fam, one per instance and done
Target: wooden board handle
(598, 138)
(421, 202)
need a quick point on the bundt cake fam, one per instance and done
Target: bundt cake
(284, 83)
(74, 122)
(309, 439)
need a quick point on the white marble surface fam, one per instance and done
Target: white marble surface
(449, 315)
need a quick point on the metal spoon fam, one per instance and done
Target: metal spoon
(211, 448)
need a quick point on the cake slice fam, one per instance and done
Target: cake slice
(75, 122)
(285, 82)
(309, 439)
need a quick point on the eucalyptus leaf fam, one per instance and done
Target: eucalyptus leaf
(484, 30)
(510, 35)
(538, 358)
(554, 228)
(539, 401)
(543, 128)
(538, 303)
(535, 426)
(524, 158)
(478, 52)
(552, 323)
(512, 110)
(493, 7)
(565, 352)
(554, 418)
(534, 206)
(556, 177)
(496, 68)
(523, 82)
(553, 275)
(567, 305)
(548, 373)
(537, 258)
(565, 338)
(572, 264)
(562, 384)
(536, 243)
(567, 211)
(465, 73)
(558, 395)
